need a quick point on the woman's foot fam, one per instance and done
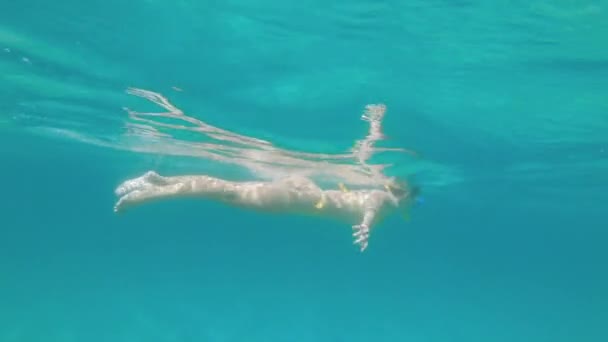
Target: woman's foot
(149, 178)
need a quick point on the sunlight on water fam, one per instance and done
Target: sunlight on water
(498, 109)
(147, 133)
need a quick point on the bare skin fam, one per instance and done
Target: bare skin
(295, 195)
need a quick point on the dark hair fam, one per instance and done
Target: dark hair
(401, 189)
(397, 191)
(415, 192)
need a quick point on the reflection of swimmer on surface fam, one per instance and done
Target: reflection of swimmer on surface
(292, 195)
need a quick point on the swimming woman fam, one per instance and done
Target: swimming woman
(291, 195)
(295, 194)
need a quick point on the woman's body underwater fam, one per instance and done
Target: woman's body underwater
(363, 209)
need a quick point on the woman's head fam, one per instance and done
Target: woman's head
(401, 189)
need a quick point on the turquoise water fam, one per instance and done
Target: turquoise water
(505, 101)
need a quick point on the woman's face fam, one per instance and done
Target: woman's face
(402, 190)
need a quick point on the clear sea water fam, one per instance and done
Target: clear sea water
(506, 102)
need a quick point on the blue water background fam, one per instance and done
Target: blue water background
(508, 99)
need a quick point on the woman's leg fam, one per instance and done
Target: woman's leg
(152, 186)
